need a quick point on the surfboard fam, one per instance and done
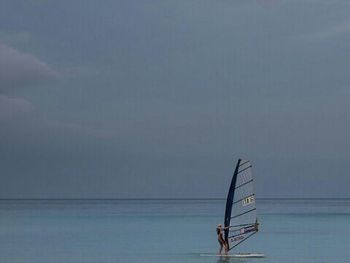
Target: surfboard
(238, 255)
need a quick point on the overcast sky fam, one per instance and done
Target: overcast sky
(133, 99)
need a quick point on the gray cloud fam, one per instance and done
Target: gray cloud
(77, 128)
(12, 108)
(329, 32)
(15, 37)
(156, 100)
(20, 70)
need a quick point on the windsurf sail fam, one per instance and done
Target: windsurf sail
(240, 215)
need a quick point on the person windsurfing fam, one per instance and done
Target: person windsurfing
(221, 240)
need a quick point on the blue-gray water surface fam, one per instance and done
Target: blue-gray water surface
(135, 231)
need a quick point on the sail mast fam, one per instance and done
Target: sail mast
(229, 201)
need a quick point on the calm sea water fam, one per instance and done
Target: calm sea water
(168, 231)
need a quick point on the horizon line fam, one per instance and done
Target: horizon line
(168, 199)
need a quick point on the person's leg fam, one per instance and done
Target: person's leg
(220, 250)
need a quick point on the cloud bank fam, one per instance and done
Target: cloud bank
(20, 70)
(11, 108)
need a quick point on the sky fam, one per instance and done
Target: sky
(159, 98)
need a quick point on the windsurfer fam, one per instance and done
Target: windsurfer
(221, 240)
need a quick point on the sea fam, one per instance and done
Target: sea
(172, 231)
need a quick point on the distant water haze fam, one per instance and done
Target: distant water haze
(139, 99)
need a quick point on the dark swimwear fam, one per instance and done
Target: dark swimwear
(220, 238)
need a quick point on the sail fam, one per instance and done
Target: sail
(240, 214)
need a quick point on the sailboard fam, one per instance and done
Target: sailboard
(238, 255)
(241, 222)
